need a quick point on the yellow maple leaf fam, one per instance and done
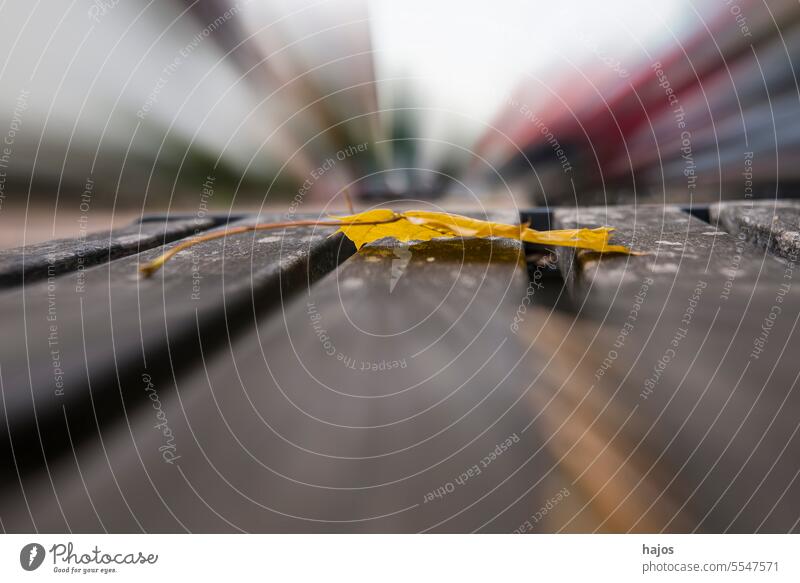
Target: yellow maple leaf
(426, 225)
(369, 226)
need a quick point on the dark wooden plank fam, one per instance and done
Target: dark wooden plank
(81, 350)
(42, 260)
(679, 246)
(682, 413)
(687, 352)
(275, 434)
(772, 225)
(375, 401)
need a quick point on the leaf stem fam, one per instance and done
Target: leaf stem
(151, 267)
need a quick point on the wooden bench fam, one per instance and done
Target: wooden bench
(281, 382)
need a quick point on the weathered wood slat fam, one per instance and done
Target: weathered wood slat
(376, 401)
(678, 246)
(307, 420)
(772, 225)
(688, 358)
(43, 260)
(85, 339)
(682, 416)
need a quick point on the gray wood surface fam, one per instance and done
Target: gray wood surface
(768, 224)
(375, 401)
(689, 409)
(84, 339)
(43, 260)
(688, 355)
(678, 247)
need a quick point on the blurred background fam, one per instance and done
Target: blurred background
(112, 108)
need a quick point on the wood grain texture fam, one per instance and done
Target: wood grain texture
(84, 339)
(43, 260)
(677, 246)
(687, 352)
(375, 401)
(773, 225)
